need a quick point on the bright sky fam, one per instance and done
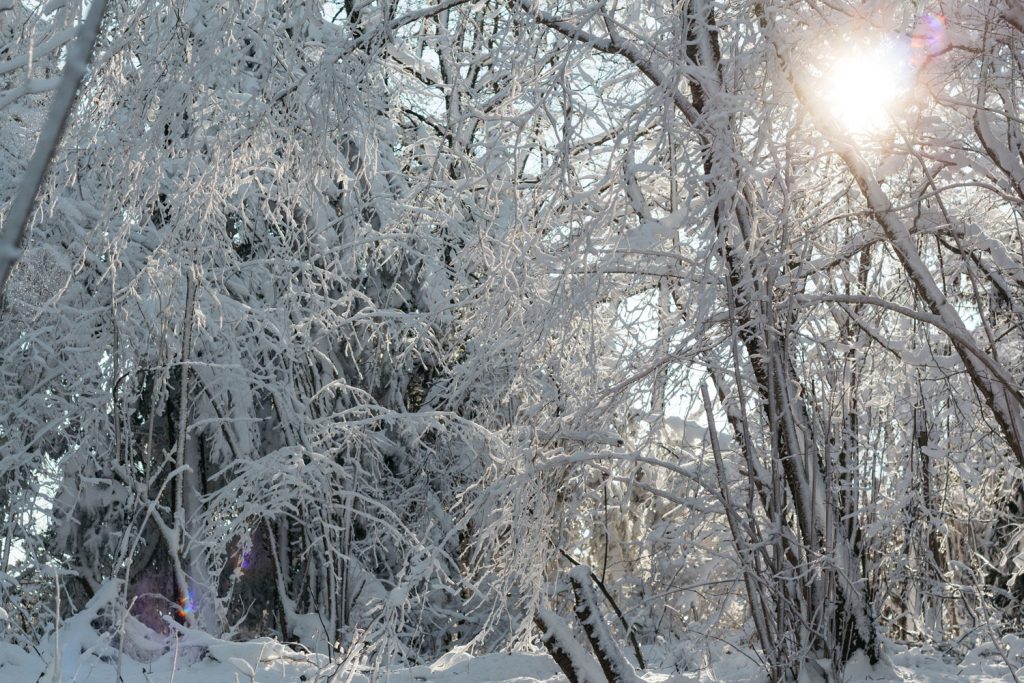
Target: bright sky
(865, 82)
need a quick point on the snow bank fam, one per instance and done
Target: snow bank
(265, 660)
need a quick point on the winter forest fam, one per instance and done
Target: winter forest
(534, 340)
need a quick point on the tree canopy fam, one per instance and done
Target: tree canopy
(360, 325)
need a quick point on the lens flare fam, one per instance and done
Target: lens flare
(246, 560)
(865, 82)
(186, 605)
(929, 38)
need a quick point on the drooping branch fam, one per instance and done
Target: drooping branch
(12, 234)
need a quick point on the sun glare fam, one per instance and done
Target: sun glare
(864, 84)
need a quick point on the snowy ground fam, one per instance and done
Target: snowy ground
(267, 661)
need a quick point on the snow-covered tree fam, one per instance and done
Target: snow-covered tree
(361, 324)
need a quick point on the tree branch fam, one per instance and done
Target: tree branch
(12, 235)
